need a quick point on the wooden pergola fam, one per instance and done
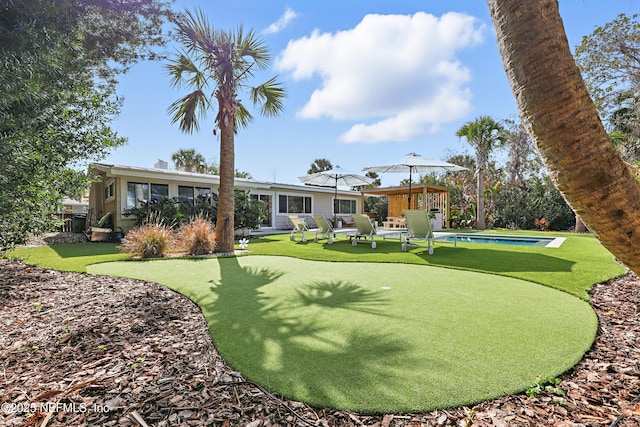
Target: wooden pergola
(423, 196)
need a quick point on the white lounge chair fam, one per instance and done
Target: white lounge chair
(366, 229)
(299, 228)
(419, 230)
(324, 228)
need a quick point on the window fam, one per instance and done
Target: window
(185, 195)
(342, 206)
(190, 195)
(137, 194)
(159, 191)
(294, 204)
(110, 190)
(204, 194)
(266, 198)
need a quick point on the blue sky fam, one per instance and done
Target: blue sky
(367, 82)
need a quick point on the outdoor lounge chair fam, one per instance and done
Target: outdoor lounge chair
(101, 231)
(419, 229)
(299, 228)
(365, 229)
(324, 228)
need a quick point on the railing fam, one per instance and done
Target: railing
(66, 226)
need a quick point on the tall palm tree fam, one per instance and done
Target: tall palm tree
(560, 116)
(217, 66)
(483, 134)
(189, 161)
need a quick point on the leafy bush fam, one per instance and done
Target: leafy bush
(197, 237)
(249, 212)
(520, 207)
(378, 206)
(172, 212)
(150, 240)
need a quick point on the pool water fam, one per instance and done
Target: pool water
(510, 240)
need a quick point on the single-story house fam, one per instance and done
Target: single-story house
(123, 187)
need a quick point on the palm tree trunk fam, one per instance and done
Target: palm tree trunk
(225, 222)
(480, 223)
(480, 200)
(580, 227)
(558, 113)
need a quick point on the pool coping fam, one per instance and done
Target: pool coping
(555, 243)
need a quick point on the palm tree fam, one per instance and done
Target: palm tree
(560, 116)
(189, 161)
(217, 66)
(483, 134)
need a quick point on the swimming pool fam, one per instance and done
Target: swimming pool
(503, 239)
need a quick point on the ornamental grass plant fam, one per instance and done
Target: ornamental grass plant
(197, 237)
(151, 240)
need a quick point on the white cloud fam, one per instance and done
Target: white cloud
(398, 72)
(288, 16)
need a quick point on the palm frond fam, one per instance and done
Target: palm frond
(269, 96)
(194, 30)
(243, 116)
(188, 110)
(250, 45)
(182, 65)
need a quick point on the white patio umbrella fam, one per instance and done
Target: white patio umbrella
(336, 177)
(413, 162)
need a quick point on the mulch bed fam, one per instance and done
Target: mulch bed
(85, 350)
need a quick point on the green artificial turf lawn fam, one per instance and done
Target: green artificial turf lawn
(70, 257)
(442, 336)
(377, 338)
(575, 267)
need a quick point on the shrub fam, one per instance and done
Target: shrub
(524, 206)
(149, 240)
(173, 212)
(249, 212)
(197, 237)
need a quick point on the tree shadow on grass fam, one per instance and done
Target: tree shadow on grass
(494, 260)
(73, 250)
(283, 340)
(364, 246)
(340, 294)
(489, 260)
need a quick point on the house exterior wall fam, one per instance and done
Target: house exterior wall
(322, 204)
(110, 194)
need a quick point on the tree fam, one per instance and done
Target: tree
(523, 159)
(60, 63)
(189, 161)
(558, 112)
(217, 66)
(214, 169)
(241, 174)
(320, 165)
(527, 194)
(609, 59)
(483, 134)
